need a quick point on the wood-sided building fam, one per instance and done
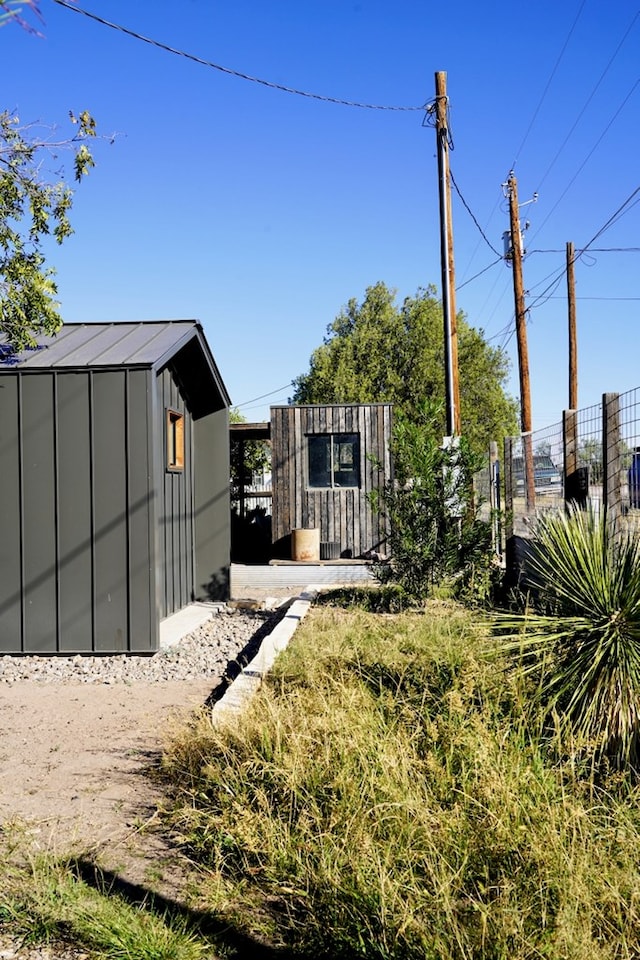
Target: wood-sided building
(114, 486)
(325, 462)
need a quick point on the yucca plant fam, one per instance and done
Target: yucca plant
(583, 636)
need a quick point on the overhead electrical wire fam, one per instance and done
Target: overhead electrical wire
(263, 395)
(525, 138)
(620, 212)
(557, 275)
(497, 303)
(591, 250)
(470, 212)
(625, 299)
(479, 274)
(503, 331)
(555, 282)
(228, 70)
(369, 106)
(588, 157)
(588, 101)
(617, 215)
(548, 84)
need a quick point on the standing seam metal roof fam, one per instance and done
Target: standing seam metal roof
(146, 343)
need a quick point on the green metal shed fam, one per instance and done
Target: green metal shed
(114, 480)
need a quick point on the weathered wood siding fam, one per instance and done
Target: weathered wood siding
(344, 514)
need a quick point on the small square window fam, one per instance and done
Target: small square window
(175, 440)
(333, 460)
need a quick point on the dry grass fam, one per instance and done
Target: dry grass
(386, 797)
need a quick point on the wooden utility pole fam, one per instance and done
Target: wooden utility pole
(573, 337)
(452, 384)
(521, 336)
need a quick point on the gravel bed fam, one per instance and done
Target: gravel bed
(205, 653)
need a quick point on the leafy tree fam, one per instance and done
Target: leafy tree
(33, 207)
(256, 455)
(590, 455)
(375, 351)
(543, 449)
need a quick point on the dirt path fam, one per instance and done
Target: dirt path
(73, 761)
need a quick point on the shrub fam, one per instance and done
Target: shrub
(435, 536)
(583, 636)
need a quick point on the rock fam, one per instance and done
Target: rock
(203, 653)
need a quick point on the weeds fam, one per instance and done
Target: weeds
(387, 797)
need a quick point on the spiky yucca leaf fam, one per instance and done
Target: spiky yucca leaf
(589, 648)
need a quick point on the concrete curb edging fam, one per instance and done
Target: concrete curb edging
(248, 682)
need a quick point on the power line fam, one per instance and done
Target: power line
(588, 100)
(503, 331)
(548, 84)
(228, 70)
(476, 275)
(620, 212)
(633, 299)
(497, 302)
(262, 397)
(587, 158)
(591, 250)
(470, 212)
(613, 218)
(482, 232)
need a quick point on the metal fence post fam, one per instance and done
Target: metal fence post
(494, 498)
(511, 564)
(612, 463)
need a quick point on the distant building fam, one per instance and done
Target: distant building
(326, 460)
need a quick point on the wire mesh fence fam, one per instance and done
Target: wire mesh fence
(482, 493)
(591, 457)
(630, 453)
(534, 475)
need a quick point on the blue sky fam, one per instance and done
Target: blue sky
(261, 213)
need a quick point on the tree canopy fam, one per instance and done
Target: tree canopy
(34, 206)
(377, 351)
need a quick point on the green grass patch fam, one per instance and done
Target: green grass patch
(42, 901)
(387, 796)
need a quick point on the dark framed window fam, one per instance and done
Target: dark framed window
(333, 460)
(175, 440)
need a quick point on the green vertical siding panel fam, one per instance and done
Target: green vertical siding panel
(167, 497)
(190, 591)
(110, 512)
(212, 506)
(39, 520)
(144, 632)
(176, 517)
(74, 512)
(10, 513)
(167, 501)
